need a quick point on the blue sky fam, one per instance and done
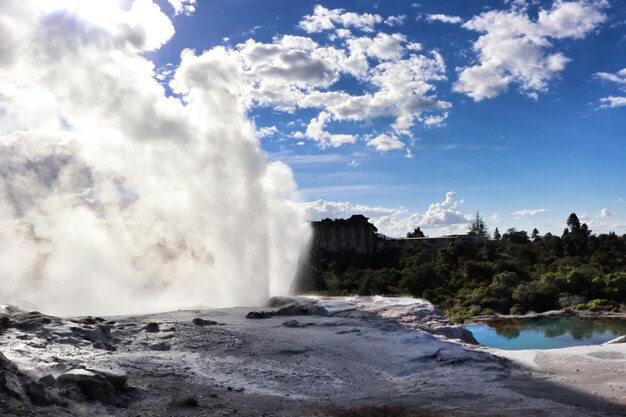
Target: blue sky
(548, 142)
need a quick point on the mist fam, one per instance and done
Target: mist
(119, 194)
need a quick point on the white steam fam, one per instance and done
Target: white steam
(114, 196)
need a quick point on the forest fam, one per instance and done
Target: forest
(511, 273)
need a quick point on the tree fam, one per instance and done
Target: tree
(478, 226)
(535, 235)
(415, 233)
(513, 235)
(576, 238)
(573, 223)
(497, 235)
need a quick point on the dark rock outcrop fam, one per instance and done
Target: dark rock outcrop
(104, 386)
(32, 320)
(21, 386)
(151, 328)
(302, 310)
(260, 314)
(296, 308)
(99, 335)
(201, 322)
(160, 347)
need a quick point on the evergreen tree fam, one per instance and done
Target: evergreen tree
(415, 233)
(573, 223)
(478, 226)
(535, 235)
(496, 234)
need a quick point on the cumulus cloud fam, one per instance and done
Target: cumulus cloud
(445, 217)
(296, 72)
(117, 197)
(187, 7)
(322, 209)
(384, 143)
(528, 212)
(444, 18)
(267, 131)
(324, 19)
(316, 131)
(606, 213)
(516, 49)
(395, 20)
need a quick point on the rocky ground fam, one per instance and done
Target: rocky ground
(300, 357)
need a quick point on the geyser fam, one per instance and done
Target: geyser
(118, 195)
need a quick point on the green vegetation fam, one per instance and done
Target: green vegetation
(513, 273)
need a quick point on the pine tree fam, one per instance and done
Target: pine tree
(478, 226)
(535, 235)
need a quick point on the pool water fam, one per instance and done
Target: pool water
(546, 333)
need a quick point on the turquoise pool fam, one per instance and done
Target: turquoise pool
(546, 333)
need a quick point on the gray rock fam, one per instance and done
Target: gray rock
(260, 315)
(303, 310)
(37, 393)
(94, 386)
(201, 322)
(99, 335)
(280, 301)
(22, 386)
(151, 327)
(48, 381)
(297, 324)
(5, 322)
(160, 347)
(32, 320)
(84, 320)
(454, 332)
(14, 386)
(117, 377)
(6, 364)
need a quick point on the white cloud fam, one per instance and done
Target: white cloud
(604, 227)
(606, 213)
(267, 131)
(528, 213)
(295, 72)
(514, 49)
(618, 78)
(444, 18)
(444, 217)
(495, 218)
(353, 164)
(612, 102)
(187, 7)
(324, 19)
(384, 143)
(395, 20)
(322, 209)
(316, 131)
(111, 189)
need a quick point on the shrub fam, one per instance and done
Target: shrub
(603, 305)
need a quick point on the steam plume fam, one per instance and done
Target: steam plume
(116, 197)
